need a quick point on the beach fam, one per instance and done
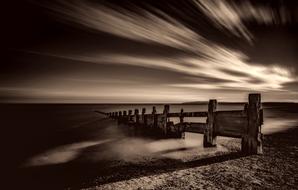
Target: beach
(73, 147)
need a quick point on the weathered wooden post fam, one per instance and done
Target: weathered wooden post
(154, 117)
(116, 115)
(129, 115)
(119, 119)
(164, 119)
(144, 120)
(137, 117)
(181, 116)
(252, 137)
(209, 136)
(124, 118)
(181, 125)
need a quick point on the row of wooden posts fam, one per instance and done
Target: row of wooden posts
(244, 124)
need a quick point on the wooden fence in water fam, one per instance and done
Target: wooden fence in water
(244, 124)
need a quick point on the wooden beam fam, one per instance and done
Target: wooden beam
(195, 127)
(189, 114)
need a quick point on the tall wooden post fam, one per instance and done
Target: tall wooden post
(124, 113)
(154, 117)
(181, 125)
(166, 110)
(115, 114)
(209, 134)
(129, 115)
(119, 119)
(143, 117)
(252, 137)
(136, 118)
(181, 116)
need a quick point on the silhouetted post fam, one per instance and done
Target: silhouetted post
(252, 139)
(143, 116)
(166, 110)
(209, 136)
(136, 118)
(181, 116)
(124, 118)
(119, 118)
(154, 117)
(129, 115)
(181, 125)
(116, 115)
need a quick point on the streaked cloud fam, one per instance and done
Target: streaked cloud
(187, 66)
(232, 15)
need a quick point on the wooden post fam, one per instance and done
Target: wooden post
(119, 119)
(181, 125)
(166, 110)
(137, 117)
(252, 137)
(209, 136)
(143, 116)
(154, 117)
(116, 115)
(181, 116)
(129, 115)
(124, 113)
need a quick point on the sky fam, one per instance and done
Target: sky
(108, 51)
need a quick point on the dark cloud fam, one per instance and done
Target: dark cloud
(291, 86)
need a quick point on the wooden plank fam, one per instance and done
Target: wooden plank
(232, 113)
(150, 120)
(189, 114)
(195, 127)
(230, 123)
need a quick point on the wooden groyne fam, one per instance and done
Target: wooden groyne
(244, 124)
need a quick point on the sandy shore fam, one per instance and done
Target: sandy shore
(277, 168)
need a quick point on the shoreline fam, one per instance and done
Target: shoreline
(276, 168)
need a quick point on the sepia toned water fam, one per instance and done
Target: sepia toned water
(51, 135)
